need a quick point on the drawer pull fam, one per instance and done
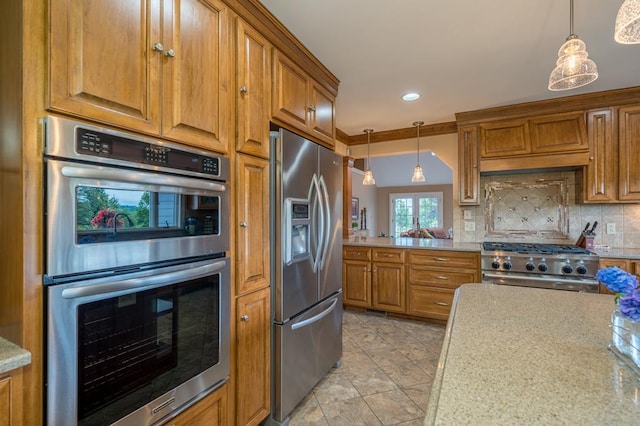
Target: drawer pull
(441, 259)
(441, 303)
(386, 255)
(442, 277)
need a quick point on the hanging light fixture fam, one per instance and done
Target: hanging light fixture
(418, 176)
(368, 174)
(573, 67)
(627, 29)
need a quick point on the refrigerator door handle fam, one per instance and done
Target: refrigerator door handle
(318, 200)
(327, 225)
(315, 318)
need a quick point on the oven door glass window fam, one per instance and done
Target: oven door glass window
(134, 348)
(106, 215)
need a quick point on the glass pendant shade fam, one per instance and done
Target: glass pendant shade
(573, 67)
(418, 176)
(368, 174)
(627, 28)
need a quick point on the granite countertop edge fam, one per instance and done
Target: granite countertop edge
(412, 243)
(12, 356)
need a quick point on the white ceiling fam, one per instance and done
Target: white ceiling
(396, 170)
(461, 55)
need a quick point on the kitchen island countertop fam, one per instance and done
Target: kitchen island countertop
(418, 243)
(12, 356)
(516, 355)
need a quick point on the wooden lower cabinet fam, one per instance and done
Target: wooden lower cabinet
(356, 283)
(209, 411)
(429, 302)
(253, 360)
(11, 398)
(630, 265)
(388, 287)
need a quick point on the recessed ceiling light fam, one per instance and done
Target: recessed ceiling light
(410, 96)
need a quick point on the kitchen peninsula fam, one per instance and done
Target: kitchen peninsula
(515, 355)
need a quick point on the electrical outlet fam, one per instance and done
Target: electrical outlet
(469, 226)
(611, 228)
(466, 214)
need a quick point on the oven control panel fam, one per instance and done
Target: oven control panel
(107, 145)
(578, 266)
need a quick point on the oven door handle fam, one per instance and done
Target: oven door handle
(557, 280)
(140, 177)
(148, 281)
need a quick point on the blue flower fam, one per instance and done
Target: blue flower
(617, 280)
(629, 305)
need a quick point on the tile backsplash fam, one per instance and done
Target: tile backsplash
(541, 207)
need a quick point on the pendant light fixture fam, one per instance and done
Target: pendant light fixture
(368, 174)
(418, 176)
(573, 67)
(627, 29)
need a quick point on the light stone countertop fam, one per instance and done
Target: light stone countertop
(626, 253)
(12, 356)
(420, 243)
(517, 355)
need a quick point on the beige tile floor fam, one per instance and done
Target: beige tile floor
(387, 369)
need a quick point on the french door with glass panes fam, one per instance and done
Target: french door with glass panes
(414, 210)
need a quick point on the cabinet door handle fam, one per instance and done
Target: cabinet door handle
(441, 259)
(243, 224)
(385, 255)
(311, 108)
(437, 302)
(442, 277)
(375, 269)
(170, 53)
(244, 318)
(158, 47)
(244, 90)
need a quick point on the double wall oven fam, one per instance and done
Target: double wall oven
(136, 275)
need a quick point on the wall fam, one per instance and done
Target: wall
(626, 217)
(367, 197)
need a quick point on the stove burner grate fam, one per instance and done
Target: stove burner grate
(534, 248)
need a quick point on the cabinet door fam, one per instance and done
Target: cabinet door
(628, 137)
(252, 208)
(468, 167)
(558, 133)
(600, 179)
(608, 262)
(209, 411)
(289, 95)
(253, 357)
(388, 287)
(356, 283)
(11, 398)
(322, 117)
(102, 65)
(504, 138)
(196, 104)
(430, 302)
(253, 96)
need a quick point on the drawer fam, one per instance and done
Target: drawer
(388, 255)
(429, 302)
(445, 258)
(356, 253)
(422, 275)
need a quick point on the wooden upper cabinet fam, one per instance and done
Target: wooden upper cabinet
(196, 107)
(253, 95)
(468, 167)
(106, 72)
(160, 68)
(301, 102)
(629, 145)
(558, 133)
(504, 138)
(600, 177)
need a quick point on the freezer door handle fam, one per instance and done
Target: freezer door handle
(315, 318)
(318, 201)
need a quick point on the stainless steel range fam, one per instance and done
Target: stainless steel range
(550, 266)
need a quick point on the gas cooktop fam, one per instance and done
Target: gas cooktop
(534, 248)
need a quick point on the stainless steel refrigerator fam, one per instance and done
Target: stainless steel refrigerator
(306, 191)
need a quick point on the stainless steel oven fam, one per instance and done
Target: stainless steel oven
(136, 275)
(115, 200)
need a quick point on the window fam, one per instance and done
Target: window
(407, 211)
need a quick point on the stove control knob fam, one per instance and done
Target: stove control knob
(530, 266)
(496, 263)
(507, 264)
(542, 267)
(581, 269)
(567, 268)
